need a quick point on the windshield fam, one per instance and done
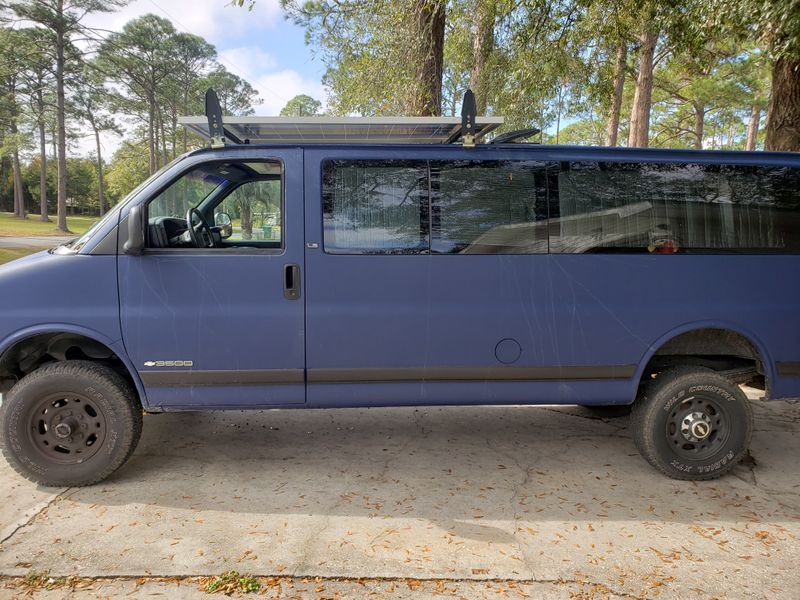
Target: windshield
(78, 243)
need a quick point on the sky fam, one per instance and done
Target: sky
(259, 45)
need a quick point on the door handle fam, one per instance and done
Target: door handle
(291, 282)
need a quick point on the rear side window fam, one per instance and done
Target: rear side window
(441, 207)
(487, 207)
(669, 208)
(376, 207)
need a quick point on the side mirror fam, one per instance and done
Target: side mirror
(135, 243)
(224, 224)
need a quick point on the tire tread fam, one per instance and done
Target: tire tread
(645, 408)
(131, 416)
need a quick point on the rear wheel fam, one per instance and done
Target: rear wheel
(69, 424)
(692, 423)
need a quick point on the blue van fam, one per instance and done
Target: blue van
(325, 263)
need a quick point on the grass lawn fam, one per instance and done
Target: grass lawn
(10, 226)
(9, 254)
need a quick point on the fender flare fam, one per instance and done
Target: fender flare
(115, 346)
(696, 325)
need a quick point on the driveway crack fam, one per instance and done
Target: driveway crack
(63, 494)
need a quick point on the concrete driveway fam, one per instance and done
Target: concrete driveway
(444, 502)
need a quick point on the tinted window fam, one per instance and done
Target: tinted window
(412, 207)
(488, 207)
(375, 207)
(666, 208)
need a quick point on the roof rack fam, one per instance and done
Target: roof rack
(513, 137)
(468, 129)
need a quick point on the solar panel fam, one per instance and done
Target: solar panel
(342, 130)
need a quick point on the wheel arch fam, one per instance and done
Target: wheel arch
(758, 349)
(60, 335)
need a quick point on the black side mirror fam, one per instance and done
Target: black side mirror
(135, 243)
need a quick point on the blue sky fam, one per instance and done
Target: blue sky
(259, 45)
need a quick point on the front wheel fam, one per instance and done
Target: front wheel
(69, 424)
(692, 423)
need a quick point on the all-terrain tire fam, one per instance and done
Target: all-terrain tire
(70, 424)
(692, 423)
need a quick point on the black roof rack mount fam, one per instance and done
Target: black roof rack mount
(469, 112)
(468, 128)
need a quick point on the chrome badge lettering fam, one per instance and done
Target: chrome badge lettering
(168, 363)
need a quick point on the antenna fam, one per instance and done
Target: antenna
(214, 114)
(468, 115)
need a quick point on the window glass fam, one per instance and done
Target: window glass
(376, 207)
(669, 208)
(255, 211)
(488, 207)
(187, 192)
(248, 193)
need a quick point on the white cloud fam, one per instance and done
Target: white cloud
(247, 61)
(214, 20)
(232, 30)
(276, 89)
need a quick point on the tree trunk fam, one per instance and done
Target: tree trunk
(699, 124)
(174, 134)
(783, 115)
(157, 141)
(612, 129)
(101, 198)
(164, 152)
(246, 212)
(752, 127)
(60, 121)
(560, 108)
(642, 98)
(42, 160)
(151, 133)
(482, 47)
(428, 28)
(16, 174)
(19, 199)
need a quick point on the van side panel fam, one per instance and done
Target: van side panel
(557, 328)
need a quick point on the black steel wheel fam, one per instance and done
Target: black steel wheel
(692, 423)
(70, 424)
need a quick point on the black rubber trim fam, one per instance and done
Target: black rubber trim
(184, 378)
(789, 369)
(466, 374)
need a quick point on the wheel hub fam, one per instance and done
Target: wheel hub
(63, 430)
(696, 426)
(67, 429)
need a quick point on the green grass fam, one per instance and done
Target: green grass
(9, 254)
(231, 582)
(11, 226)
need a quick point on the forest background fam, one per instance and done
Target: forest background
(704, 74)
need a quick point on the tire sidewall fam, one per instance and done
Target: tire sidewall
(731, 401)
(17, 412)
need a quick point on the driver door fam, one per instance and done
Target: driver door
(222, 326)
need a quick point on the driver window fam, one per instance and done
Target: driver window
(219, 205)
(255, 212)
